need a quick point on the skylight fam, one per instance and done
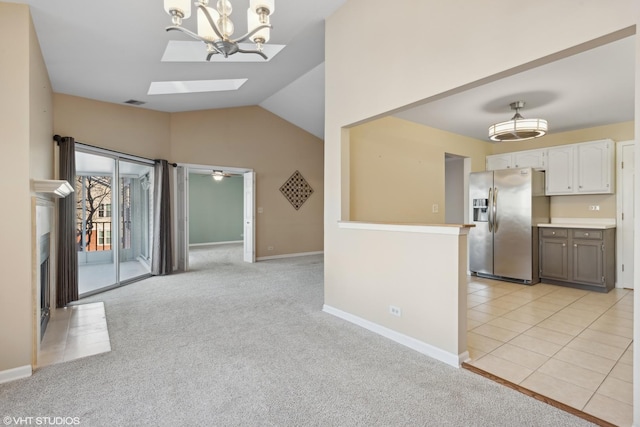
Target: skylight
(194, 86)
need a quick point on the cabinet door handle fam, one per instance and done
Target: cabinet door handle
(586, 234)
(575, 245)
(553, 232)
(564, 244)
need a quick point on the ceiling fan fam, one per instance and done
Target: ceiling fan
(219, 175)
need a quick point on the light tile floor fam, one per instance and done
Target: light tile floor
(74, 332)
(570, 345)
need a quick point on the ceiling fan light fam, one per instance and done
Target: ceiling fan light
(218, 175)
(518, 128)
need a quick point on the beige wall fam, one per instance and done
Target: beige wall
(122, 128)
(25, 118)
(247, 137)
(252, 137)
(365, 82)
(391, 159)
(397, 170)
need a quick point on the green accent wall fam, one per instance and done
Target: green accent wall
(215, 209)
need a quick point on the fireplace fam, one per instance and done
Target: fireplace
(45, 292)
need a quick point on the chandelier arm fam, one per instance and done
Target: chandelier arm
(187, 32)
(211, 23)
(252, 32)
(253, 51)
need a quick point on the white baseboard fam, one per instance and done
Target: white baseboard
(264, 258)
(454, 360)
(15, 373)
(214, 243)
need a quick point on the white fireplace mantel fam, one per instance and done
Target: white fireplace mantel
(54, 187)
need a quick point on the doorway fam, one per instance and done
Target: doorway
(456, 182)
(113, 219)
(184, 216)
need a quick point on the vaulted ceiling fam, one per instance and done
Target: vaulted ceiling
(113, 51)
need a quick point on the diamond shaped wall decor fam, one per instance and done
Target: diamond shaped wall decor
(296, 190)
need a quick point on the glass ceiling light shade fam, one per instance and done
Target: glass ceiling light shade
(215, 26)
(178, 9)
(518, 128)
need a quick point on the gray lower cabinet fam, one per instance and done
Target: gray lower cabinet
(578, 257)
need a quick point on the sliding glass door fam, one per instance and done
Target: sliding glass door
(135, 219)
(113, 219)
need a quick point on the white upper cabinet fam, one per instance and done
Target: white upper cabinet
(585, 168)
(520, 159)
(529, 159)
(559, 174)
(595, 167)
(499, 161)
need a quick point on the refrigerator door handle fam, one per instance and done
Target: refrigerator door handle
(495, 209)
(490, 222)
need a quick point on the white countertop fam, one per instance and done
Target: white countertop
(593, 223)
(585, 225)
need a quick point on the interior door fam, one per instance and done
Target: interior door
(626, 214)
(249, 217)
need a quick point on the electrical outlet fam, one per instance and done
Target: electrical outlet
(434, 208)
(269, 248)
(395, 311)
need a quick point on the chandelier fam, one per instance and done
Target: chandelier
(215, 27)
(518, 128)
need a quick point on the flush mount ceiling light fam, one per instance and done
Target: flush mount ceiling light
(215, 27)
(518, 128)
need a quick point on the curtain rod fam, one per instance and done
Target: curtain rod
(58, 139)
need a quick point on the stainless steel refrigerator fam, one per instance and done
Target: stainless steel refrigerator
(506, 206)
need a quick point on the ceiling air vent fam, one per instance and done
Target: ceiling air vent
(134, 102)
